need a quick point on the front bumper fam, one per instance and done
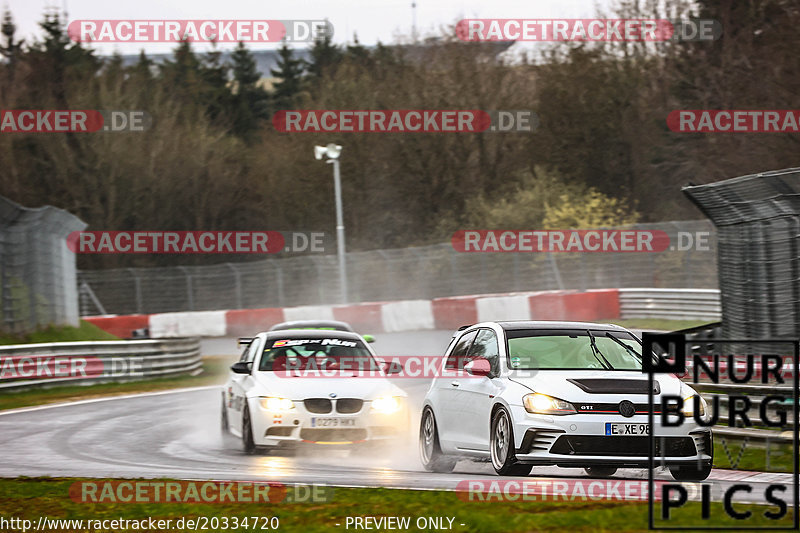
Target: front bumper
(313, 426)
(580, 440)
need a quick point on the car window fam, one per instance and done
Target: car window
(486, 346)
(572, 350)
(310, 354)
(458, 357)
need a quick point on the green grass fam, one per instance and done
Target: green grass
(214, 372)
(30, 498)
(84, 332)
(754, 456)
(656, 324)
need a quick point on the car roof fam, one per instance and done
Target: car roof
(312, 334)
(311, 324)
(513, 325)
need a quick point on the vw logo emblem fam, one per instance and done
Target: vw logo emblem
(332, 395)
(627, 409)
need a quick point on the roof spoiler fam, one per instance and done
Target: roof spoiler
(245, 340)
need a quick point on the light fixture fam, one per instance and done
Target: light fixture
(331, 150)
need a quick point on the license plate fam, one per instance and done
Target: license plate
(331, 422)
(627, 429)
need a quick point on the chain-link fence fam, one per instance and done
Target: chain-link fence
(37, 270)
(399, 274)
(758, 222)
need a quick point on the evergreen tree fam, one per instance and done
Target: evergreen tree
(290, 73)
(250, 101)
(325, 56)
(10, 48)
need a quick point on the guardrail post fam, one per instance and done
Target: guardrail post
(189, 289)
(278, 280)
(237, 280)
(554, 268)
(137, 286)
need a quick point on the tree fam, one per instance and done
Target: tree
(10, 48)
(325, 57)
(290, 73)
(250, 102)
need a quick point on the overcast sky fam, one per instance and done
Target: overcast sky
(372, 20)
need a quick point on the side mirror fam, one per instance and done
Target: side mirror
(369, 338)
(478, 367)
(241, 367)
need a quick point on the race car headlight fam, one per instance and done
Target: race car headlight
(386, 404)
(688, 406)
(543, 404)
(273, 403)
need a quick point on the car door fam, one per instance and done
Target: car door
(238, 384)
(448, 387)
(478, 392)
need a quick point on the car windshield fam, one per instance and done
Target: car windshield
(573, 350)
(321, 353)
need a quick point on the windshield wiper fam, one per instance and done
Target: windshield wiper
(596, 351)
(628, 348)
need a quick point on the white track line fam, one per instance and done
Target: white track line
(105, 399)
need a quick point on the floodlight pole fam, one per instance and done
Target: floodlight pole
(337, 186)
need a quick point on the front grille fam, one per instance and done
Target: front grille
(349, 405)
(333, 435)
(623, 446)
(318, 405)
(613, 408)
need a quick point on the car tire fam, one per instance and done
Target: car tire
(501, 447)
(691, 473)
(429, 450)
(248, 444)
(600, 471)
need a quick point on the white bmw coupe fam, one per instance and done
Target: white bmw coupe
(313, 387)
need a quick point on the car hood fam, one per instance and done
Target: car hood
(595, 385)
(299, 388)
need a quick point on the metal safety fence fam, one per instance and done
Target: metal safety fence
(37, 270)
(758, 224)
(421, 272)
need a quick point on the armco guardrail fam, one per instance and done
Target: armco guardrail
(700, 304)
(26, 365)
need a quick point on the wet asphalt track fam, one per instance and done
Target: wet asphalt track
(176, 434)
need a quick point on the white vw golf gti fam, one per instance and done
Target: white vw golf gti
(315, 387)
(569, 394)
